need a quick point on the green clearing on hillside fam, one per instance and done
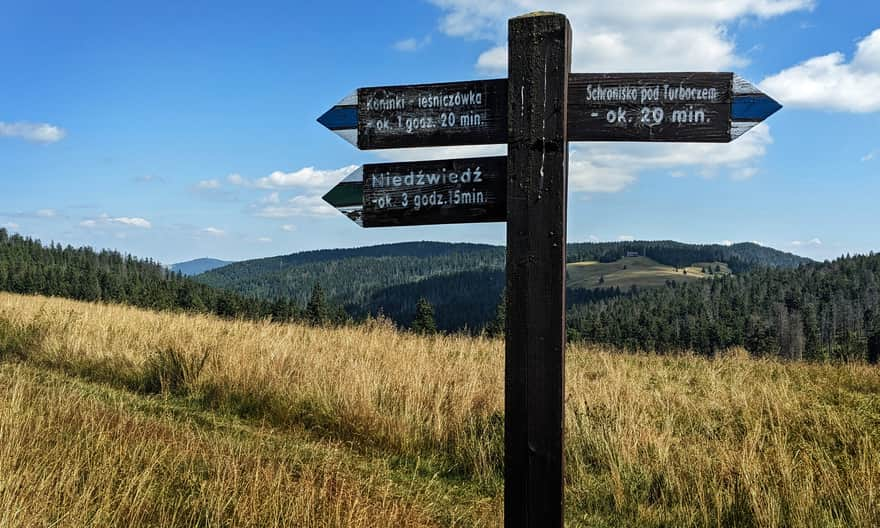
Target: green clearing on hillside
(642, 272)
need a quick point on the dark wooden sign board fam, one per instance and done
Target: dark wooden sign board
(536, 111)
(424, 192)
(670, 107)
(465, 113)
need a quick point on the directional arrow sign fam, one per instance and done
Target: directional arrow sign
(669, 107)
(458, 113)
(424, 192)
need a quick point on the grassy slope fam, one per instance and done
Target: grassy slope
(400, 430)
(640, 271)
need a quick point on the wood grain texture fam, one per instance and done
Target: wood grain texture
(419, 115)
(539, 61)
(403, 194)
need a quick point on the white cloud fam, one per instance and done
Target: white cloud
(870, 156)
(149, 178)
(727, 243)
(264, 240)
(11, 225)
(813, 242)
(594, 238)
(296, 206)
(288, 227)
(309, 177)
(47, 213)
(626, 238)
(610, 167)
(412, 44)
(107, 220)
(35, 132)
(493, 60)
(829, 82)
(744, 173)
(626, 35)
(208, 185)
(132, 221)
(272, 198)
(213, 231)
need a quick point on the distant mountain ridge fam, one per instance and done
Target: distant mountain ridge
(462, 281)
(197, 266)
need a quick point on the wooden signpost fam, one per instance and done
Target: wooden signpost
(536, 112)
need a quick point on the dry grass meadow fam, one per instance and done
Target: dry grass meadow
(111, 416)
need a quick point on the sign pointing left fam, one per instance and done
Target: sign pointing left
(424, 192)
(441, 114)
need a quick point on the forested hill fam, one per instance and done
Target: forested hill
(739, 257)
(817, 311)
(29, 267)
(462, 281)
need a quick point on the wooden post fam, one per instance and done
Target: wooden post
(539, 61)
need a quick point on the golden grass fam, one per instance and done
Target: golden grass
(67, 459)
(651, 440)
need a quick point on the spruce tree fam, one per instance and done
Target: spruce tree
(424, 321)
(874, 338)
(498, 325)
(316, 311)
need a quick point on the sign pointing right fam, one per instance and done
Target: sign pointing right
(669, 107)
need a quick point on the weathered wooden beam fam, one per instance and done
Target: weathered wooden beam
(539, 62)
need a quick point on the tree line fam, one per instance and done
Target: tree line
(28, 267)
(818, 311)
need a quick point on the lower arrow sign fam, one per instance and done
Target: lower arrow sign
(424, 192)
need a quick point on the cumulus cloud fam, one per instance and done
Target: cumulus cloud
(626, 238)
(132, 221)
(35, 132)
(829, 82)
(727, 243)
(598, 167)
(626, 35)
(288, 227)
(610, 167)
(208, 185)
(308, 177)
(813, 242)
(412, 44)
(149, 178)
(47, 213)
(107, 220)
(11, 225)
(213, 231)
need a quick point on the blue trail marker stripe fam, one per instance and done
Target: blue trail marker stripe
(753, 108)
(340, 118)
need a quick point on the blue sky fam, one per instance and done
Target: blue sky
(178, 131)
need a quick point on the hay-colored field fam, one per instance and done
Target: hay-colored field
(111, 416)
(642, 272)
